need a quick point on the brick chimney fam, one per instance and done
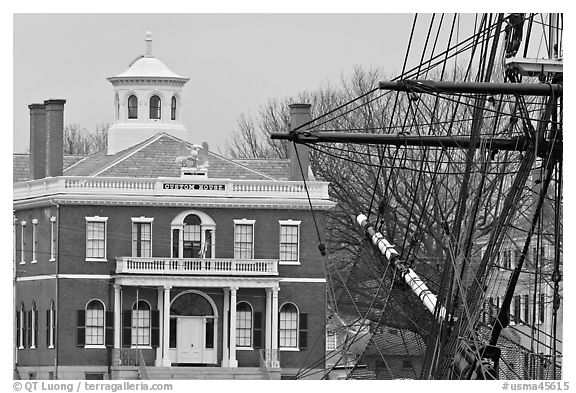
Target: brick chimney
(55, 136)
(299, 114)
(37, 141)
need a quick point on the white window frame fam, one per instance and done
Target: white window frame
(22, 330)
(105, 221)
(289, 223)
(331, 341)
(245, 347)
(22, 243)
(141, 220)
(135, 329)
(246, 222)
(297, 346)
(206, 224)
(34, 240)
(52, 325)
(33, 330)
(52, 239)
(103, 345)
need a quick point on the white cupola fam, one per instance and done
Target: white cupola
(147, 100)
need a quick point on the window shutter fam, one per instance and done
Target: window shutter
(35, 328)
(80, 328)
(303, 336)
(127, 328)
(257, 344)
(155, 331)
(109, 330)
(18, 327)
(47, 328)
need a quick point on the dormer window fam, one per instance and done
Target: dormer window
(173, 109)
(155, 107)
(132, 107)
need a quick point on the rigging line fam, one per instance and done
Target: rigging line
(377, 324)
(446, 97)
(528, 33)
(308, 195)
(377, 180)
(313, 128)
(363, 319)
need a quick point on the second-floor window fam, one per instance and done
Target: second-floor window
(52, 239)
(289, 241)
(34, 240)
(96, 238)
(244, 239)
(142, 237)
(193, 235)
(22, 242)
(155, 107)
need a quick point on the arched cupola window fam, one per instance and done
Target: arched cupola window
(132, 107)
(173, 108)
(193, 235)
(155, 107)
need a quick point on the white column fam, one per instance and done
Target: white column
(225, 352)
(268, 332)
(159, 302)
(117, 313)
(275, 318)
(233, 361)
(166, 329)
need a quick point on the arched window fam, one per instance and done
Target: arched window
(192, 239)
(243, 325)
(51, 325)
(132, 107)
(33, 326)
(193, 235)
(173, 108)
(288, 326)
(95, 323)
(21, 327)
(141, 323)
(155, 111)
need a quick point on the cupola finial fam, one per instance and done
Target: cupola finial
(148, 44)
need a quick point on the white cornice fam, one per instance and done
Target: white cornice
(220, 203)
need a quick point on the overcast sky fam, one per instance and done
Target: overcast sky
(235, 62)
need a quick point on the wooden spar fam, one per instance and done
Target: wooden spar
(427, 86)
(420, 289)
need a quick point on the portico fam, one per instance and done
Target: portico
(189, 319)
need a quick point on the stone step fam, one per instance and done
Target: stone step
(204, 373)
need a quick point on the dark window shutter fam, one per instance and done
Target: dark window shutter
(155, 324)
(127, 328)
(303, 334)
(35, 328)
(257, 344)
(18, 327)
(47, 328)
(109, 331)
(80, 328)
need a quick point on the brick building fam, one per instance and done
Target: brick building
(157, 253)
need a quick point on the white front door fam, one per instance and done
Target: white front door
(190, 339)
